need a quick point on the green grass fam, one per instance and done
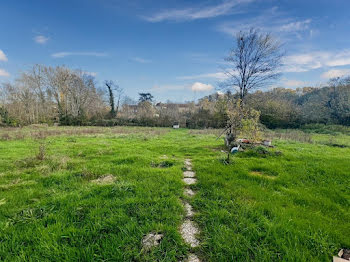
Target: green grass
(293, 206)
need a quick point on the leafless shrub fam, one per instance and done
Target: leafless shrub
(5, 136)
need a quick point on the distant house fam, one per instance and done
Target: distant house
(180, 107)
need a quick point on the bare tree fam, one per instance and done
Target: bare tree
(255, 60)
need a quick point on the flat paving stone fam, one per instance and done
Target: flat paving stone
(188, 164)
(189, 210)
(151, 240)
(189, 192)
(192, 258)
(189, 231)
(188, 161)
(190, 181)
(189, 174)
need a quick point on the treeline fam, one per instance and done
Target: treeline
(282, 108)
(51, 95)
(63, 96)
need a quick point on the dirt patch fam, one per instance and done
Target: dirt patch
(189, 174)
(104, 180)
(189, 231)
(151, 240)
(190, 181)
(163, 164)
(346, 254)
(336, 145)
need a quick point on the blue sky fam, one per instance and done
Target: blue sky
(173, 49)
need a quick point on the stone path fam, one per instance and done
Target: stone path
(189, 229)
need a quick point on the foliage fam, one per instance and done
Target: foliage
(145, 97)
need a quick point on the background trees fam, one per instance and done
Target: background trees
(71, 97)
(46, 95)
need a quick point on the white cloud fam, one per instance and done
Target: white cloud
(90, 73)
(3, 57)
(141, 60)
(4, 73)
(336, 73)
(270, 20)
(201, 87)
(193, 13)
(293, 83)
(40, 39)
(308, 61)
(64, 54)
(295, 26)
(218, 75)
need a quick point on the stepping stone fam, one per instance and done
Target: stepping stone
(151, 240)
(189, 210)
(189, 174)
(189, 231)
(190, 181)
(188, 163)
(192, 258)
(189, 192)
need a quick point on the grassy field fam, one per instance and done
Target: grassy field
(91, 194)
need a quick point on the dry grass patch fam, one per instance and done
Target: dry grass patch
(261, 174)
(104, 180)
(43, 131)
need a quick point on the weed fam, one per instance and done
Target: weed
(42, 152)
(162, 164)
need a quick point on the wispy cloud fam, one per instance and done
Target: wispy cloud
(94, 74)
(198, 86)
(64, 54)
(336, 73)
(308, 61)
(195, 87)
(293, 83)
(270, 20)
(3, 57)
(40, 39)
(194, 13)
(295, 26)
(4, 73)
(217, 75)
(158, 88)
(141, 60)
